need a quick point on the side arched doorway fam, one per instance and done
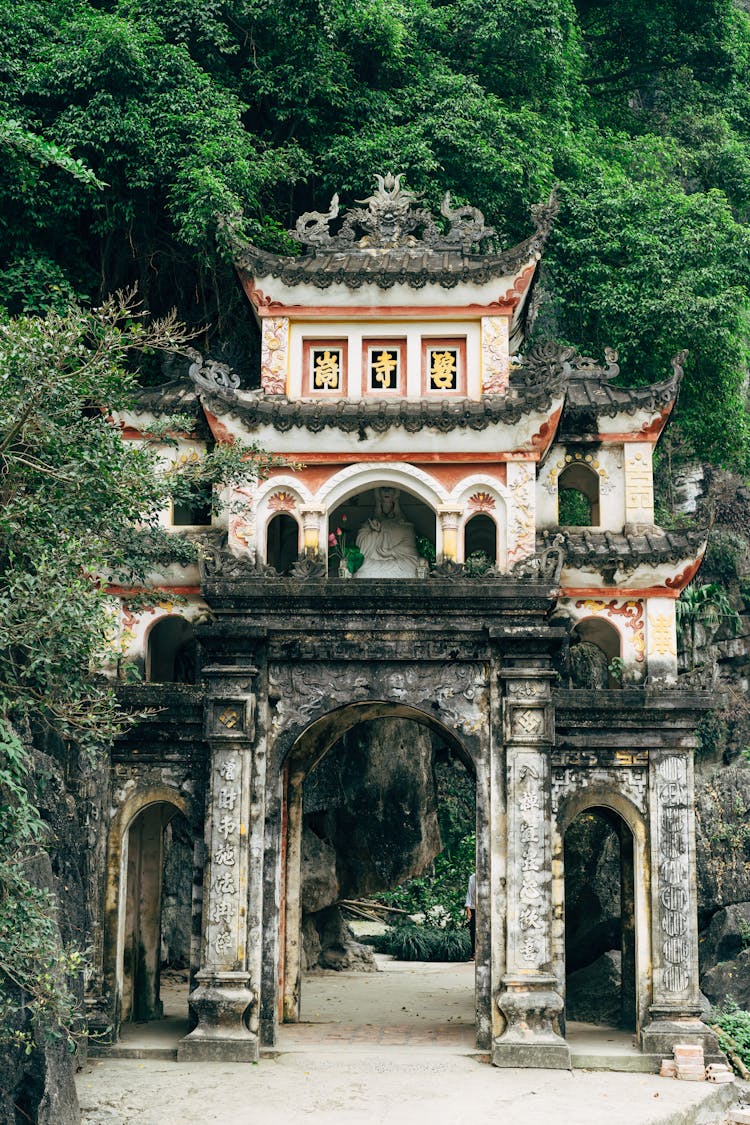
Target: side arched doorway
(400, 731)
(603, 894)
(149, 910)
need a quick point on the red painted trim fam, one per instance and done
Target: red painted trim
(264, 306)
(455, 344)
(415, 458)
(218, 429)
(602, 592)
(544, 438)
(323, 344)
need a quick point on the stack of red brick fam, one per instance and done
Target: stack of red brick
(689, 1065)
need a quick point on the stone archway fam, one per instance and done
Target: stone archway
(133, 906)
(308, 751)
(627, 827)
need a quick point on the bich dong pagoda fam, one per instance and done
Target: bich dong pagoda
(409, 559)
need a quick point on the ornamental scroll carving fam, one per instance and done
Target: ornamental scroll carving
(674, 871)
(390, 221)
(495, 357)
(454, 693)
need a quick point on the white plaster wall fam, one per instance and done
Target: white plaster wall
(606, 461)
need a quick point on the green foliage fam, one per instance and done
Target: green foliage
(707, 606)
(140, 134)
(79, 507)
(734, 1030)
(414, 942)
(573, 508)
(726, 556)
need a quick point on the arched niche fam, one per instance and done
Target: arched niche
(282, 542)
(171, 651)
(349, 516)
(578, 496)
(595, 651)
(480, 537)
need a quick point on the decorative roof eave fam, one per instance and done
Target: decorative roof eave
(595, 408)
(654, 562)
(255, 410)
(399, 244)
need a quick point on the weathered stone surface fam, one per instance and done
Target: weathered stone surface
(723, 839)
(373, 799)
(593, 993)
(320, 886)
(328, 943)
(727, 935)
(729, 980)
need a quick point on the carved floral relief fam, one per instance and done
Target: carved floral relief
(274, 355)
(495, 357)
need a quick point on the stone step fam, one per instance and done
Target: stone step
(635, 1063)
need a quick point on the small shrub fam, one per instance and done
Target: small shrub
(412, 942)
(733, 1025)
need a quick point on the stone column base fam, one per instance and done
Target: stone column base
(220, 1002)
(668, 1028)
(530, 1005)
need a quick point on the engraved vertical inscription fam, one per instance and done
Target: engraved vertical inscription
(674, 871)
(532, 937)
(222, 935)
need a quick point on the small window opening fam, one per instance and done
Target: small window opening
(282, 543)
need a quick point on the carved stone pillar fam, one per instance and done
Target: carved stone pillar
(225, 992)
(449, 518)
(530, 999)
(676, 1008)
(311, 521)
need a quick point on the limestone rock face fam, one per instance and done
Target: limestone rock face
(373, 800)
(729, 980)
(320, 885)
(593, 994)
(370, 813)
(723, 839)
(328, 943)
(592, 892)
(725, 956)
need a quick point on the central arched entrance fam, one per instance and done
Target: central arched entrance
(353, 844)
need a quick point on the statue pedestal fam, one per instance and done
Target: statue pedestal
(530, 1005)
(670, 1026)
(220, 1002)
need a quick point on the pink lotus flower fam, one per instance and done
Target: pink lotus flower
(338, 531)
(331, 540)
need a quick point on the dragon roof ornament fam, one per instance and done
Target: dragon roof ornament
(390, 220)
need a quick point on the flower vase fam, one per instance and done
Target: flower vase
(344, 571)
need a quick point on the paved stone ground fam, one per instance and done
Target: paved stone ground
(393, 1047)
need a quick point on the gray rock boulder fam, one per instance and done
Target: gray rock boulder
(729, 980)
(723, 839)
(592, 995)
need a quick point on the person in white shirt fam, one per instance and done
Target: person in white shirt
(471, 910)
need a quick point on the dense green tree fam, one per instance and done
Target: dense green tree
(192, 110)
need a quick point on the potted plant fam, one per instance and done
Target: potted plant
(350, 557)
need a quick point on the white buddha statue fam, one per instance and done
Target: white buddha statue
(387, 540)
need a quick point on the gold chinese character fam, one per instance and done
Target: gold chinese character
(229, 718)
(443, 370)
(383, 367)
(327, 370)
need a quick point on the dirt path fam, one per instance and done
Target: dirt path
(393, 1047)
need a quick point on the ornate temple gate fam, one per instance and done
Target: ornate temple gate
(290, 666)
